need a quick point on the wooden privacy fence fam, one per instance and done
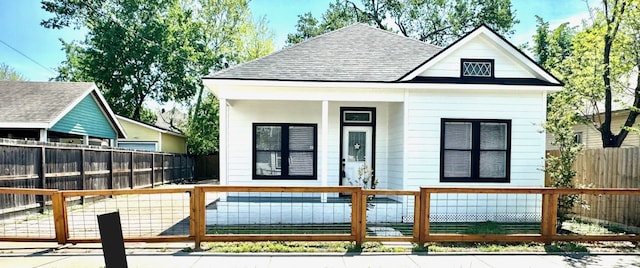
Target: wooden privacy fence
(238, 213)
(207, 167)
(63, 167)
(607, 168)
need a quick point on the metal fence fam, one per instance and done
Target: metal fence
(241, 213)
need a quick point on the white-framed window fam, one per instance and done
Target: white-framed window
(577, 138)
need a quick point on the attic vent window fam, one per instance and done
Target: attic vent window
(477, 68)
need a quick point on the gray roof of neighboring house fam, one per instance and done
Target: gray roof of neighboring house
(372, 55)
(37, 102)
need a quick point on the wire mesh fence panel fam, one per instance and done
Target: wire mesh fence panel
(485, 213)
(601, 214)
(31, 219)
(390, 215)
(282, 213)
(142, 215)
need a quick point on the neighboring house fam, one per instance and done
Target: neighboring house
(68, 112)
(143, 136)
(590, 137)
(419, 115)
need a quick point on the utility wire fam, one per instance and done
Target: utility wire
(31, 59)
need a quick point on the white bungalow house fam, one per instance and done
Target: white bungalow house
(419, 115)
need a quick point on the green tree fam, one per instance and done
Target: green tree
(135, 50)
(202, 128)
(438, 22)
(551, 49)
(144, 50)
(234, 38)
(605, 60)
(9, 74)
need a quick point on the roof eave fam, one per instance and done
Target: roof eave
(368, 84)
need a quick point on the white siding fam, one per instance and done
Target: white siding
(479, 48)
(396, 146)
(242, 115)
(526, 110)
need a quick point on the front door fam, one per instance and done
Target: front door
(356, 154)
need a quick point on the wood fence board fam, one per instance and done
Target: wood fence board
(614, 168)
(25, 164)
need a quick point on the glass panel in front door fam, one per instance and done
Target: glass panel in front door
(357, 145)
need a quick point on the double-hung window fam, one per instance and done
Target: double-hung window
(284, 151)
(474, 150)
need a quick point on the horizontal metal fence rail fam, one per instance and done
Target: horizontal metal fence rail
(246, 213)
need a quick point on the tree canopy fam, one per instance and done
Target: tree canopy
(140, 51)
(599, 65)
(438, 22)
(7, 73)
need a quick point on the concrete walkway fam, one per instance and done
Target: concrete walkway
(170, 255)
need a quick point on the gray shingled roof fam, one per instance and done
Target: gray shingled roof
(37, 102)
(354, 53)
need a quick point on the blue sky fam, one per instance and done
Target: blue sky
(20, 28)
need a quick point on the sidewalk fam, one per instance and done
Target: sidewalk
(170, 255)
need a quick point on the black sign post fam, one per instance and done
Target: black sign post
(112, 240)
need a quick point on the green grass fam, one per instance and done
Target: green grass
(280, 229)
(349, 247)
(406, 229)
(478, 228)
(487, 227)
(296, 247)
(566, 247)
(577, 226)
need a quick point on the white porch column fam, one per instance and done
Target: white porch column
(222, 141)
(85, 140)
(405, 140)
(324, 155)
(43, 135)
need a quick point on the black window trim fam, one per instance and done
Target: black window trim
(493, 68)
(475, 151)
(284, 152)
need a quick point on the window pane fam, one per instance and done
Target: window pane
(301, 163)
(300, 138)
(493, 136)
(457, 164)
(357, 145)
(493, 164)
(268, 137)
(268, 163)
(357, 116)
(457, 135)
(478, 69)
